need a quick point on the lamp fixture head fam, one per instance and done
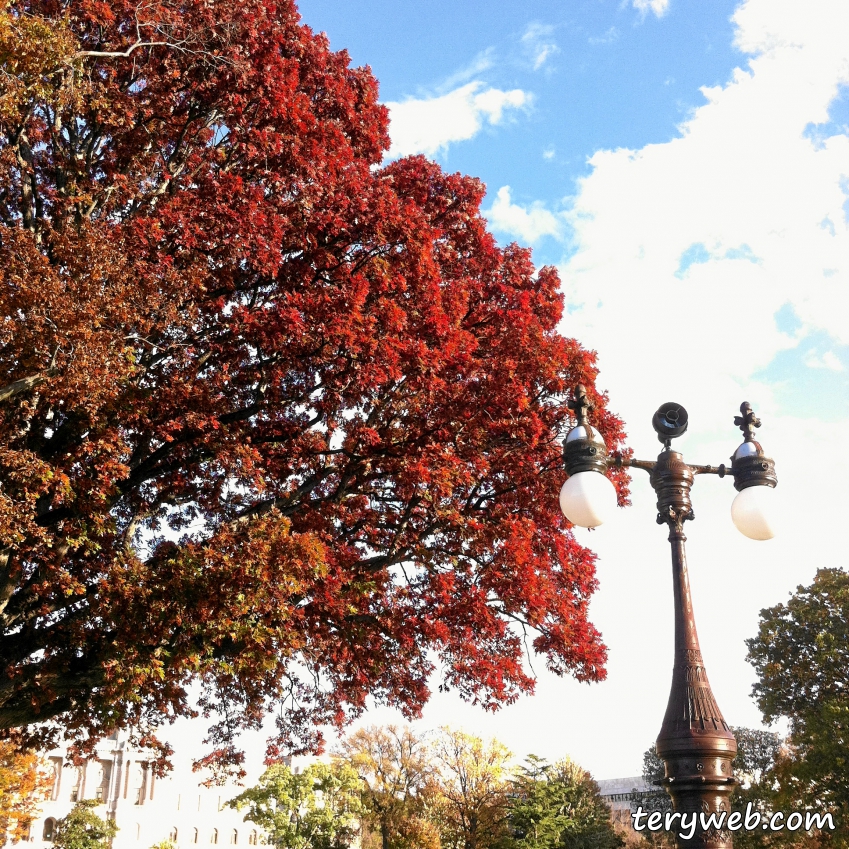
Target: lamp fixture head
(749, 465)
(752, 510)
(583, 449)
(588, 497)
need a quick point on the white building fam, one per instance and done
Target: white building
(146, 809)
(619, 793)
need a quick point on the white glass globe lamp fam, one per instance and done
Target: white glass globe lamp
(588, 499)
(753, 511)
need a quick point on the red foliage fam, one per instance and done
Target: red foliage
(277, 419)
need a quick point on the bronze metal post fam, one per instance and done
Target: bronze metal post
(695, 743)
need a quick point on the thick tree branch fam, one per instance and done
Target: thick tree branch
(19, 708)
(286, 504)
(25, 384)
(10, 574)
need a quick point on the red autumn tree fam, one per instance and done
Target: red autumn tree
(274, 419)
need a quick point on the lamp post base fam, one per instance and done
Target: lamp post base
(695, 743)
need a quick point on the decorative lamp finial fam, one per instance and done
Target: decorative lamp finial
(580, 405)
(747, 421)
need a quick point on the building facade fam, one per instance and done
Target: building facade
(147, 810)
(618, 793)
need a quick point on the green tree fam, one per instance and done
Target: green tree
(757, 753)
(656, 798)
(801, 656)
(84, 829)
(318, 808)
(754, 768)
(558, 806)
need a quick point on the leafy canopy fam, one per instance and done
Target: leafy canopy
(558, 806)
(318, 808)
(275, 418)
(471, 784)
(396, 785)
(801, 656)
(82, 828)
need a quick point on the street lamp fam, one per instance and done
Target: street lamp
(695, 742)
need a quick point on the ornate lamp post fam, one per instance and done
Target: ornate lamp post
(695, 743)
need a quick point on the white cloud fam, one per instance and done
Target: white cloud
(722, 226)
(659, 7)
(607, 38)
(493, 102)
(539, 44)
(528, 224)
(482, 62)
(429, 125)
(549, 153)
(829, 360)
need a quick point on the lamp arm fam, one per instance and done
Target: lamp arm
(722, 470)
(630, 463)
(649, 465)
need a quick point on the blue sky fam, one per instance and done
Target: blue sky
(600, 75)
(685, 165)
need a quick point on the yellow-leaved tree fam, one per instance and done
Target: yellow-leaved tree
(395, 771)
(23, 785)
(471, 784)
